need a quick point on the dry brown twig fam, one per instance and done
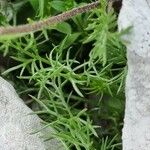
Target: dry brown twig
(36, 26)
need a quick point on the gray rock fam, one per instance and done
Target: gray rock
(136, 130)
(17, 126)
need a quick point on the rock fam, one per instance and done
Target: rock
(17, 124)
(136, 130)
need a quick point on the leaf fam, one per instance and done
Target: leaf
(12, 36)
(64, 28)
(12, 69)
(58, 5)
(71, 39)
(39, 6)
(76, 88)
(35, 4)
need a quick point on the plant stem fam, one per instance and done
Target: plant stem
(36, 26)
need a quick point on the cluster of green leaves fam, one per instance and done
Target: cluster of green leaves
(74, 70)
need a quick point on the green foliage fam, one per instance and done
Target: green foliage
(74, 70)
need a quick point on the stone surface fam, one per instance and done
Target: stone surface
(17, 126)
(136, 130)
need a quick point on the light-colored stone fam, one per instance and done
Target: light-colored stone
(136, 130)
(17, 126)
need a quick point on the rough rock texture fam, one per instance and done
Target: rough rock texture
(17, 126)
(136, 131)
